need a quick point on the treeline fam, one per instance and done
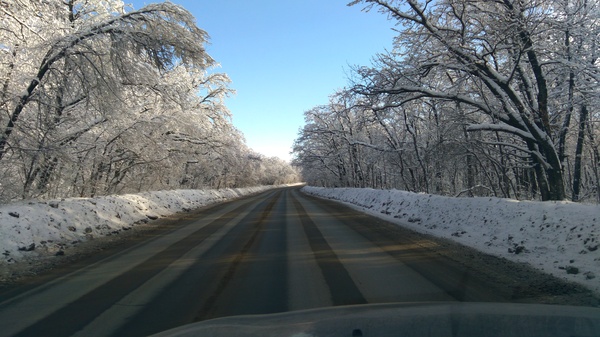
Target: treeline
(477, 98)
(98, 99)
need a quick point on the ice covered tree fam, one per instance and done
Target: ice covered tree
(98, 98)
(69, 67)
(496, 57)
(98, 44)
(476, 98)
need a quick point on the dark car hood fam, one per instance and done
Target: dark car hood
(408, 319)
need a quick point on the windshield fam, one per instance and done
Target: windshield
(171, 163)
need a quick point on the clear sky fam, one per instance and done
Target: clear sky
(285, 57)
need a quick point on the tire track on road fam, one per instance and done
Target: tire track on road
(259, 283)
(257, 230)
(341, 286)
(181, 301)
(457, 280)
(303, 266)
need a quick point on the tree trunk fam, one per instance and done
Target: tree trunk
(595, 161)
(579, 152)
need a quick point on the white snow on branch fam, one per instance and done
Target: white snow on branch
(501, 128)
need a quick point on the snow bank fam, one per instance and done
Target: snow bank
(31, 229)
(560, 238)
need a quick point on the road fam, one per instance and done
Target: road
(274, 252)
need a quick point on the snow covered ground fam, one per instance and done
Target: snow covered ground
(560, 238)
(33, 229)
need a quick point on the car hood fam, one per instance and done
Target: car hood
(408, 319)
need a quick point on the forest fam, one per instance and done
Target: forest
(476, 98)
(97, 98)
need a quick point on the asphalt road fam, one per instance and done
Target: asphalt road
(274, 252)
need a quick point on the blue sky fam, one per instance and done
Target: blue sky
(285, 57)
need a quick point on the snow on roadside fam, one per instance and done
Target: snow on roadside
(561, 238)
(32, 229)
